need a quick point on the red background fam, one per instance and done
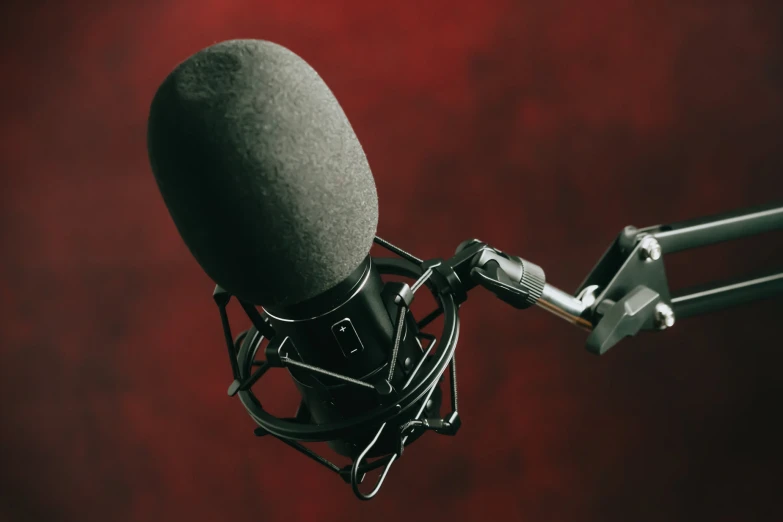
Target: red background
(540, 127)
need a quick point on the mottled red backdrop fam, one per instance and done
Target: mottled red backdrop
(540, 127)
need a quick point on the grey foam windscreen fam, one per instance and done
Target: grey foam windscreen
(262, 173)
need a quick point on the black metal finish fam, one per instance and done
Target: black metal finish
(624, 318)
(632, 282)
(724, 227)
(403, 309)
(625, 305)
(397, 250)
(222, 298)
(707, 299)
(430, 371)
(420, 375)
(511, 278)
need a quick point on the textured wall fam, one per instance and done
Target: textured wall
(540, 127)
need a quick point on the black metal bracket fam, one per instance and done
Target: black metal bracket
(632, 282)
(630, 285)
(634, 312)
(512, 279)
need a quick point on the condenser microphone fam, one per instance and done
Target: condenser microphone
(271, 191)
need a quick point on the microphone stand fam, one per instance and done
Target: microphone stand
(627, 291)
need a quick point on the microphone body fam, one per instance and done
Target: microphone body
(349, 331)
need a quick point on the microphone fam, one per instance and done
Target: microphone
(271, 191)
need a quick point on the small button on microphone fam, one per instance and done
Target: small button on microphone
(347, 337)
